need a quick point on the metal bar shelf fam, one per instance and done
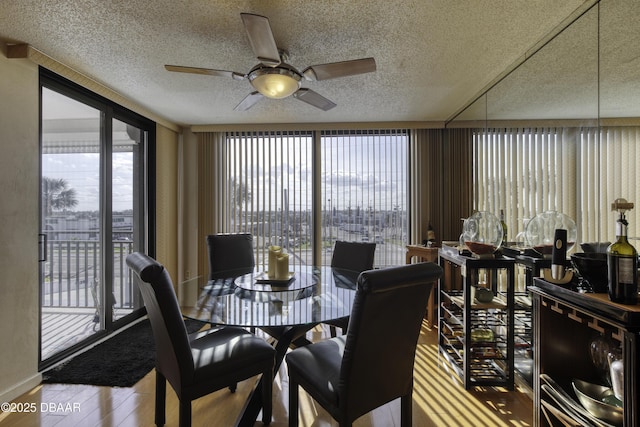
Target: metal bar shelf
(487, 361)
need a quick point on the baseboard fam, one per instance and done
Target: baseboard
(19, 389)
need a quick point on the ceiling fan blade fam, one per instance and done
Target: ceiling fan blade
(205, 71)
(261, 38)
(314, 98)
(249, 101)
(340, 69)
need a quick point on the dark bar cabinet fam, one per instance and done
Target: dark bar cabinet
(568, 328)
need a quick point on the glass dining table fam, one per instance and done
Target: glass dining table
(284, 309)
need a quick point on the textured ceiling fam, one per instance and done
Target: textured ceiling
(588, 71)
(433, 56)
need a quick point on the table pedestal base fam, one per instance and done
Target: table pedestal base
(286, 336)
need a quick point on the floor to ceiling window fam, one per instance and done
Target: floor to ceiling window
(269, 181)
(364, 191)
(93, 162)
(352, 185)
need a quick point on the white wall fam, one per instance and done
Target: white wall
(18, 226)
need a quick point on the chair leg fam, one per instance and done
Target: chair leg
(161, 394)
(185, 414)
(293, 403)
(406, 403)
(233, 387)
(267, 398)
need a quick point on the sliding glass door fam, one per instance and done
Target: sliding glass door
(126, 222)
(92, 215)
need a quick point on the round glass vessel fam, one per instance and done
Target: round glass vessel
(482, 233)
(540, 231)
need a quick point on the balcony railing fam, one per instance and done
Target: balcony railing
(71, 273)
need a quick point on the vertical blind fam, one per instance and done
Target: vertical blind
(269, 186)
(305, 190)
(457, 181)
(619, 177)
(365, 190)
(576, 171)
(524, 172)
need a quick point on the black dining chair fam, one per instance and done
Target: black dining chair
(230, 256)
(230, 252)
(200, 363)
(354, 257)
(372, 365)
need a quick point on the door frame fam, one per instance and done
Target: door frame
(144, 180)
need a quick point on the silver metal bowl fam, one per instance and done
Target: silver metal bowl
(591, 395)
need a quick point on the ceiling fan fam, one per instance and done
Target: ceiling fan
(276, 79)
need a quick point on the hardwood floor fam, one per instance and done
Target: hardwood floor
(438, 400)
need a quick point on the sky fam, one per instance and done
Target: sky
(74, 156)
(357, 171)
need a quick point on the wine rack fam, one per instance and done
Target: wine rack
(532, 264)
(475, 338)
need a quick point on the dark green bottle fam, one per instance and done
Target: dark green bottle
(431, 235)
(622, 263)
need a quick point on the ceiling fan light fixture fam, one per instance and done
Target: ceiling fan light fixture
(277, 82)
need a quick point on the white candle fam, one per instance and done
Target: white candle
(282, 267)
(274, 251)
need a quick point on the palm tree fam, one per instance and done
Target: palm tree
(240, 195)
(56, 195)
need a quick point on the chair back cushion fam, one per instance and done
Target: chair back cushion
(173, 351)
(229, 252)
(381, 341)
(354, 256)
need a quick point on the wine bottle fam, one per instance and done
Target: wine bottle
(504, 227)
(622, 262)
(431, 235)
